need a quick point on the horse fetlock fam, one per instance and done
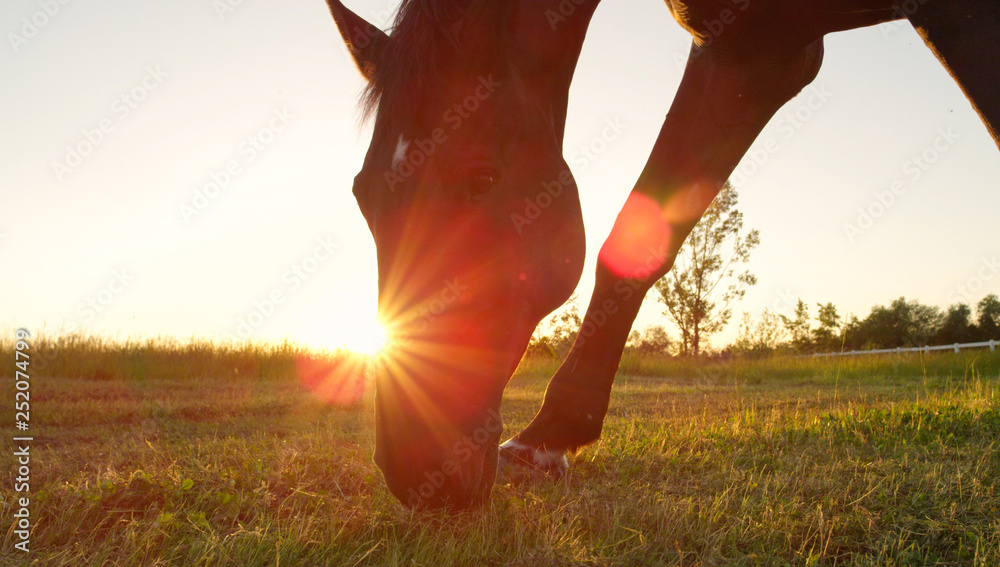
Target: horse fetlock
(515, 455)
(563, 429)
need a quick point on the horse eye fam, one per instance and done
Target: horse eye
(481, 184)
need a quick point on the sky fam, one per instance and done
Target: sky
(184, 170)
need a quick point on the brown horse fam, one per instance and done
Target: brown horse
(477, 221)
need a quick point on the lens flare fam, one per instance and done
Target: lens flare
(341, 379)
(345, 375)
(367, 338)
(639, 242)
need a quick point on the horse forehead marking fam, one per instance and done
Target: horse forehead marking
(399, 155)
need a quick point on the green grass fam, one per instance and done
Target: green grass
(169, 454)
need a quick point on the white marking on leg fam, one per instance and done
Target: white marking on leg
(399, 156)
(513, 445)
(551, 460)
(542, 459)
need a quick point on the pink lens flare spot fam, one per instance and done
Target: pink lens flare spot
(339, 381)
(639, 242)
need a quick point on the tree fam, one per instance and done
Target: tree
(854, 333)
(798, 327)
(924, 322)
(759, 339)
(652, 340)
(902, 324)
(554, 336)
(827, 336)
(704, 281)
(956, 327)
(988, 323)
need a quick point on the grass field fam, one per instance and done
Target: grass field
(171, 454)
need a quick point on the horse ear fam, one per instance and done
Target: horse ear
(365, 41)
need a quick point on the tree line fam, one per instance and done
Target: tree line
(903, 323)
(709, 276)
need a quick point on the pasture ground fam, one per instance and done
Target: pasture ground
(193, 454)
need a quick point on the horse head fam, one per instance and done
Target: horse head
(476, 221)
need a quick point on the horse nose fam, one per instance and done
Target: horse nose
(426, 479)
(434, 454)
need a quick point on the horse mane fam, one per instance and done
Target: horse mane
(427, 37)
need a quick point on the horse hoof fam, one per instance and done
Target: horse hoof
(516, 457)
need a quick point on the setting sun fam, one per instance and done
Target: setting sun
(367, 337)
(361, 333)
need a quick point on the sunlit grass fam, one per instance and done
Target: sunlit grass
(182, 454)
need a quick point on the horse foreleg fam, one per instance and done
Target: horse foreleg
(965, 37)
(723, 102)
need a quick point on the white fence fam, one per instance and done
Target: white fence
(992, 344)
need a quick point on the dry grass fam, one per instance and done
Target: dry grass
(170, 454)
